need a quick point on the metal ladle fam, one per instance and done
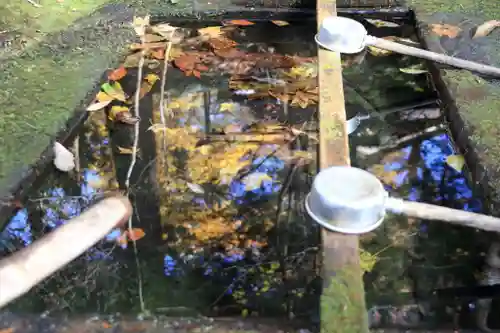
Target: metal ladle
(353, 201)
(344, 35)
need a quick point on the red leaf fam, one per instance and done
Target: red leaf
(202, 68)
(237, 22)
(117, 74)
(135, 234)
(197, 74)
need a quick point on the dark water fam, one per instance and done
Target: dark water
(225, 229)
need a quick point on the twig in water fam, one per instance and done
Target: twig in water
(37, 5)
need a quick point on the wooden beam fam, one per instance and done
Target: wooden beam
(343, 306)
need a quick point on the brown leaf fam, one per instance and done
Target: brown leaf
(222, 43)
(186, 62)
(280, 23)
(140, 46)
(486, 28)
(237, 22)
(158, 54)
(196, 74)
(150, 38)
(126, 151)
(118, 73)
(7, 330)
(445, 30)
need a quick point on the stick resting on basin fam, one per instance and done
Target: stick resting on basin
(25, 268)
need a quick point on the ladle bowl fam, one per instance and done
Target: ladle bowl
(353, 201)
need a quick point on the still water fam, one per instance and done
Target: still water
(227, 153)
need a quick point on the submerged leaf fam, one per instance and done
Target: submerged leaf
(114, 90)
(254, 180)
(135, 234)
(486, 28)
(98, 105)
(126, 151)
(381, 23)
(414, 70)
(195, 188)
(456, 162)
(280, 23)
(447, 30)
(237, 22)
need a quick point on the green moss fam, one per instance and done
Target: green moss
(343, 303)
(487, 8)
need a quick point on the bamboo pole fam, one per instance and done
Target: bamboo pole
(25, 268)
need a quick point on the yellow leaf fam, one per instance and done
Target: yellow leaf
(244, 313)
(103, 97)
(139, 24)
(229, 107)
(114, 90)
(375, 51)
(486, 28)
(381, 23)
(367, 260)
(254, 180)
(126, 151)
(98, 105)
(280, 23)
(456, 162)
(212, 32)
(115, 110)
(414, 70)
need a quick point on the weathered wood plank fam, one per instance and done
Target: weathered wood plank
(342, 304)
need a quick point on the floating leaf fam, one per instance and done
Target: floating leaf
(415, 70)
(227, 107)
(486, 28)
(146, 86)
(150, 38)
(254, 180)
(367, 260)
(244, 313)
(212, 32)
(64, 160)
(378, 52)
(117, 74)
(139, 24)
(456, 162)
(98, 105)
(280, 23)
(165, 29)
(381, 23)
(445, 30)
(126, 151)
(237, 22)
(103, 97)
(195, 188)
(114, 90)
(135, 234)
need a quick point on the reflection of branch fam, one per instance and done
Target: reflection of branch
(404, 141)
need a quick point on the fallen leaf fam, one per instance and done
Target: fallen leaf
(164, 29)
(227, 107)
(139, 24)
(7, 330)
(445, 30)
(97, 106)
(103, 97)
(146, 86)
(381, 23)
(456, 162)
(222, 43)
(254, 180)
(135, 234)
(486, 28)
(105, 325)
(117, 74)
(64, 160)
(150, 38)
(414, 70)
(195, 188)
(114, 90)
(122, 114)
(212, 32)
(126, 151)
(280, 23)
(237, 22)
(378, 52)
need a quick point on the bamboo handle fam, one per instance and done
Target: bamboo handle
(434, 212)
(25, 268)
(433, 56)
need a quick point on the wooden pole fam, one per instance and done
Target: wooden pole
(24, 269)
(343, 306)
